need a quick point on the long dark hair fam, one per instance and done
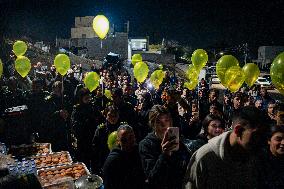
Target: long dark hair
(207, 120)
(81, 93)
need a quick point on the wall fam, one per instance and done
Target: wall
(86, 21)
(269, 52)
(78, 32)
(266, 54)
(84, 25)
(117, 44)
(157, 58)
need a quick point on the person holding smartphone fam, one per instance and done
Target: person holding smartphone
(163, 155)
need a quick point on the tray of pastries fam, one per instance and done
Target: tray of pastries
(50, 175)
(30, 149)
(65, 183)
(52, 159)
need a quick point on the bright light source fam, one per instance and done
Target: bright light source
(101, 26)
(149, 86)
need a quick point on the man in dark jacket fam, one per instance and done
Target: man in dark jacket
(35, 102)
(100, 147)
(84, 121)
(122, 168)
(56, 119)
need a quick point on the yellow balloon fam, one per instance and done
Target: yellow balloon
(111, 141)
(92, 81)
(157, 78)
(223, 64)
(62, 63)
(136, 58)
(191, 72)
(20, 48)
(191, 84)
(140, 71)
(101, 26)
(23, 65)
(199, 58)
(251, 72)
(108, 94)
(234, 78)
(1, 68)
(277, 72)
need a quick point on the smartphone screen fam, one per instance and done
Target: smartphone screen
(173, 133)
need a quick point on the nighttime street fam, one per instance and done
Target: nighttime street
(185, 94)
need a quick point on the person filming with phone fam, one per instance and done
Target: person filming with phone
(163, 155)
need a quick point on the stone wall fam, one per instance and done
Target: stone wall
(83, 32)
(117, 44)
(85, 21)
(158, 58)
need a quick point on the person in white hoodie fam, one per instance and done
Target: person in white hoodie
(228, 160)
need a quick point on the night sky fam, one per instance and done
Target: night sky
(196, 23)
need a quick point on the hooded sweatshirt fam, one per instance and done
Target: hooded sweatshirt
(213, 167)
(162, 171)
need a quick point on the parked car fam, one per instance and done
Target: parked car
(267, 77)
(215, 80)
(263, 82)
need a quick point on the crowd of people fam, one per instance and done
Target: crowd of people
(233, 140)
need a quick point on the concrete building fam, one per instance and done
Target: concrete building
(84, 42)
(42, 46)
(266, 55)
(139, 44)
(84, 28)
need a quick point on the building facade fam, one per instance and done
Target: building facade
(266, 55)
(84, 41)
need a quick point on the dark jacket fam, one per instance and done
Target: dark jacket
(123, 170)
(56, 129)
(36, 109)
(162, 171)
(28, 181)
(194, 145)
(84, 121)
(272, 171)
(100, 147)
(190, 129)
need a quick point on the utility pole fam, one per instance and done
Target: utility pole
(127, 27)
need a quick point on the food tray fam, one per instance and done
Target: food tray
(26, 150)
(65, 184)
(52, 159)
(49, 176)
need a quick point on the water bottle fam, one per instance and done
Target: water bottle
(23, 171)
(33, 162)
(12, 170)
(3, 148)
(34, 170)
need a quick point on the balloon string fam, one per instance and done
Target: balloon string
(103, 91)
(62, 93)
(101, 44)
